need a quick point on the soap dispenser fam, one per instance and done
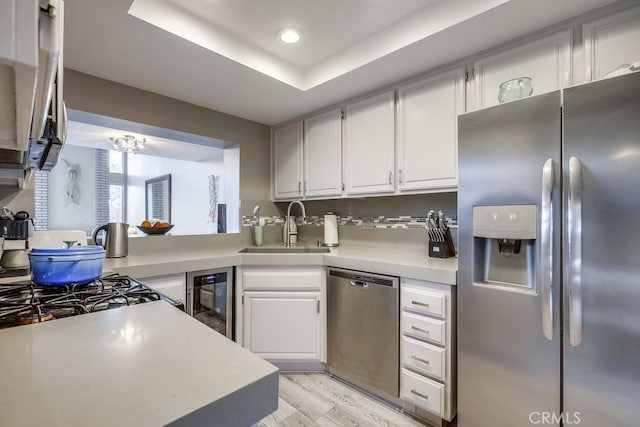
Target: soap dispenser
(257, 229)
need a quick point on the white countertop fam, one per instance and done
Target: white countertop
(144, 365)
(414, 264)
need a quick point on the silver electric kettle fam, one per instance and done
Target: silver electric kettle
(116, 239)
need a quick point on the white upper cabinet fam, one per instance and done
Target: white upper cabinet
(287, 161)
(611, 42)
(369, 145)
(323, 155)
(427, 130)
(547, 61)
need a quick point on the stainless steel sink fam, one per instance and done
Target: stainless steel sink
(284, 250)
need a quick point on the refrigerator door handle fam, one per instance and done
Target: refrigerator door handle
(546, 249)
(575, 252)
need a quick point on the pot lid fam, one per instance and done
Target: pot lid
(74, 250)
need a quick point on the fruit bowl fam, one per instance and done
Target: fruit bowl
(154, 230)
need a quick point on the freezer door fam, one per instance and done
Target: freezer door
(508, 370)
(602, 252)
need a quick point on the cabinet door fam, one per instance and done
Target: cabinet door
(427, 128)
(283, 325)
(323, 155)
(369, 145)
(287, 162)
(610, 42)
(547, 61)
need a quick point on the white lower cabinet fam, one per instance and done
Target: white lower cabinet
(282, 312)
(424, 358)
(427, 347)
(172, 285)
(423, 328)
(422, 392)
(283, 325)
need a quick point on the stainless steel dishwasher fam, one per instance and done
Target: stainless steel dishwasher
(363, 330)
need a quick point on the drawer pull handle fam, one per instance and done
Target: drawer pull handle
(426, 362)
(422, 304)
(424, 396)
(415, 328)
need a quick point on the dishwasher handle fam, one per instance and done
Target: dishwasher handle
(364, 280)
(359, 283)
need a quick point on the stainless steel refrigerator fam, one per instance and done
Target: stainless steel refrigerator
(549, 259)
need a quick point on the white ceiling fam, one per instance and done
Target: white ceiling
(223, 54)
(95, 136)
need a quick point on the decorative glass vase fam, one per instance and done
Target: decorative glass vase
(515, 89)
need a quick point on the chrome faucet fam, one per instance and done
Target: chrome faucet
(287, 242)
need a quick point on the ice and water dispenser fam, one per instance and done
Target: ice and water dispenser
(505, 247)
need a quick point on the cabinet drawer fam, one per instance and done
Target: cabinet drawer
(422, 301)
(422, 327)
(282, 279)
(422, 392)
(423, 357)
(173, 285)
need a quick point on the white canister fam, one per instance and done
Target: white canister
(330, 229)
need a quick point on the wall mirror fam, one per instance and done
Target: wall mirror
(158, 199)
(94, 183)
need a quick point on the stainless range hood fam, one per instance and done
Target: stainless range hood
(32, 119)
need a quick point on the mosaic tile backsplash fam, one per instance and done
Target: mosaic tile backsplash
(364, 222)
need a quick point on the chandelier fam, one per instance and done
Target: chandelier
(128, 143)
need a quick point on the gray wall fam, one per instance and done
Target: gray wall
(77, 211)
(83, 92)
(95, 95)
(98, 96)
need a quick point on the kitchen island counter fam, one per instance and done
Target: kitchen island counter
(143, 365)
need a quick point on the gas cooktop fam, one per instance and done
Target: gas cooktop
(24, 303)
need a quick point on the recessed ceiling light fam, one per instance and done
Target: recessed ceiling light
(289, 35)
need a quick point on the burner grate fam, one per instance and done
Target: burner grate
(24, 303)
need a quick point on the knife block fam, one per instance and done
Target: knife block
(442, 249)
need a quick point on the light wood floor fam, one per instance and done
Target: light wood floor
(316, 399)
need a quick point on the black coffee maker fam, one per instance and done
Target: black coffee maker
(15, 230)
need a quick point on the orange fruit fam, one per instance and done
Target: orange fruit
(145, 224)
(157, 225)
